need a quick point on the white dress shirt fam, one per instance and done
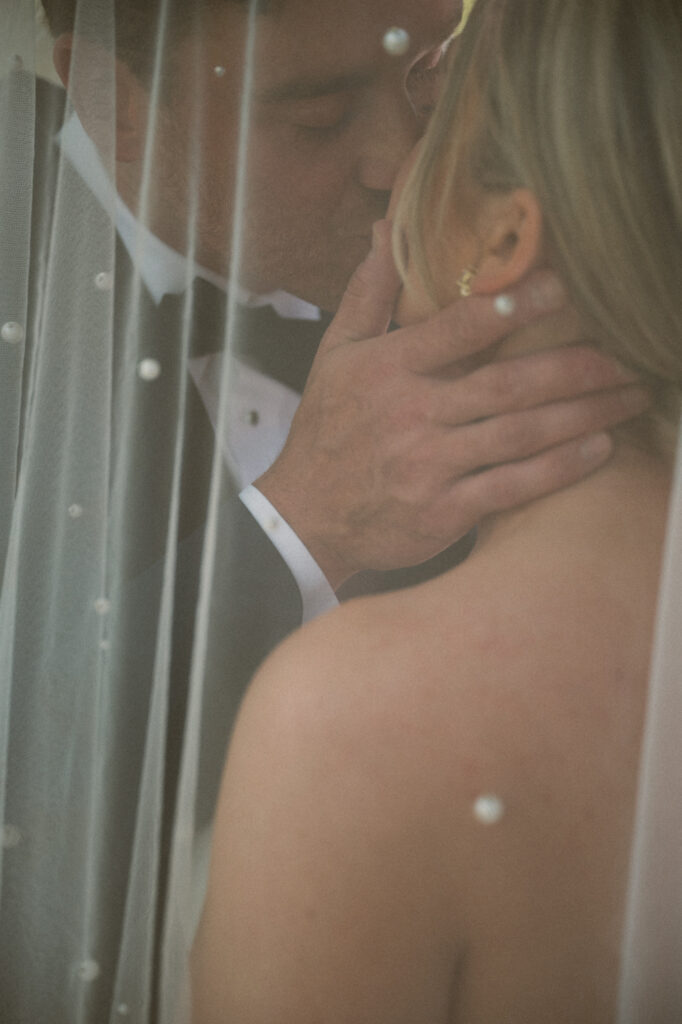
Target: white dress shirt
(259, 414)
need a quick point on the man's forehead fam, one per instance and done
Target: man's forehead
(341, 21)
(312, 49)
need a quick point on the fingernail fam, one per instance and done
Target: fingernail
(547, 296)
(596, 448)
(504, 305)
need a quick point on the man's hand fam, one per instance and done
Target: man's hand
(396, 452)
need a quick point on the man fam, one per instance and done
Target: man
(328, 134)
(384, 464)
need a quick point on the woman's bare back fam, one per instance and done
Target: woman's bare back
(521, 675)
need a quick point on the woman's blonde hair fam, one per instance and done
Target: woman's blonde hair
(581, 102)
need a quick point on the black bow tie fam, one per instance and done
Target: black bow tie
(281, 348)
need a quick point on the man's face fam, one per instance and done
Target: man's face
(332, 117)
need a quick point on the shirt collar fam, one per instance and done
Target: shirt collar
(163, 270)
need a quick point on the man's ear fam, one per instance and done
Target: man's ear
(86, 71)
(509, 230)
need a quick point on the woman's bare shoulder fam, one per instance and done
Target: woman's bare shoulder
(326, 813)
(552, 612)
(364, 747)
(535, 649)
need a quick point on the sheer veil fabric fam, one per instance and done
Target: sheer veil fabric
(651, 973)
(95, 528)
(106, 550)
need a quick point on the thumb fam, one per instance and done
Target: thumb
(369, 300)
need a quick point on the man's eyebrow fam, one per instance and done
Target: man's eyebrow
(313, 88)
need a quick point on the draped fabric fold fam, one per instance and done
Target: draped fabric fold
(109, 470)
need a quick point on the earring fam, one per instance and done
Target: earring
(464, 280)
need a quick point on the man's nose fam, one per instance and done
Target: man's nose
(390, 136)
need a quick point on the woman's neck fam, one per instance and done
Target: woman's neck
(637, 462)
(633, 488)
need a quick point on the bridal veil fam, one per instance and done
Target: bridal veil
(91, 571)
(93, 577)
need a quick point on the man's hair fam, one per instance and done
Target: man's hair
(136, 23)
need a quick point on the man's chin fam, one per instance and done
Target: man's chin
(327, 293)
(322, 283)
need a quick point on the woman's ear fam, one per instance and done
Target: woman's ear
(88, 79)
(509, 229)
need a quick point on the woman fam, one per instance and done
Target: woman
(427, 808)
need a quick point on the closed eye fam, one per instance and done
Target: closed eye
(321, 129)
